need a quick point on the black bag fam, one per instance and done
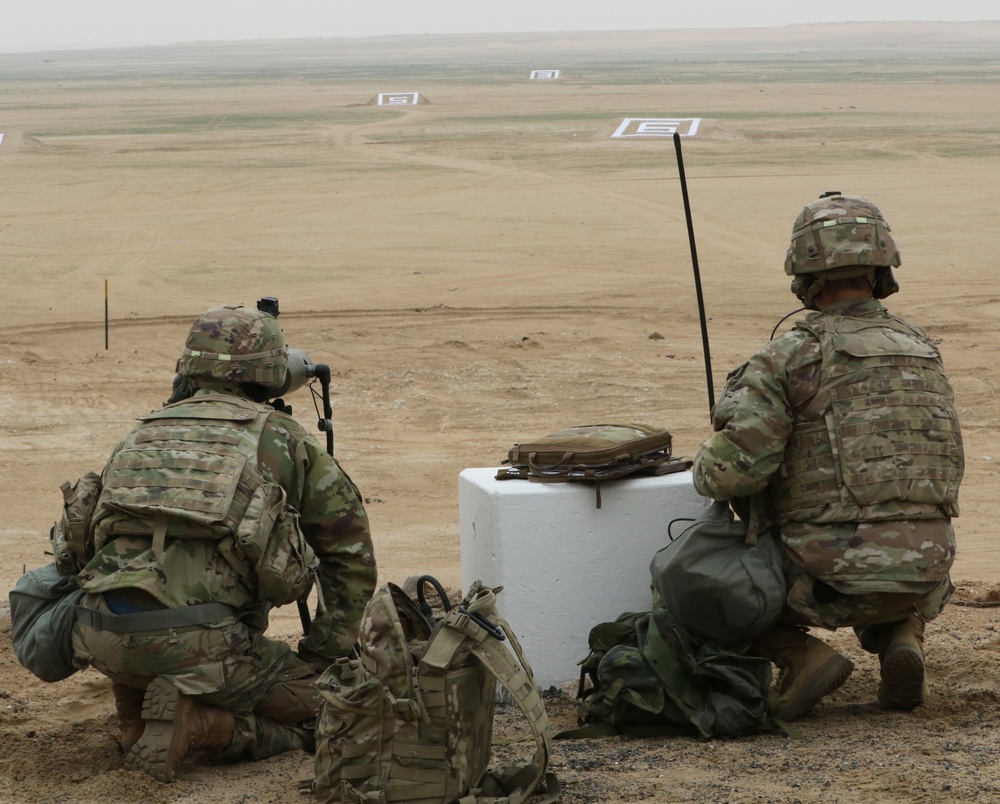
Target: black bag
(42, 611)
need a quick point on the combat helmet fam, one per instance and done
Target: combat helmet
(841, 236)
(234, 345)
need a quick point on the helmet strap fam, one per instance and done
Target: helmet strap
(884, 283)
(806, 288)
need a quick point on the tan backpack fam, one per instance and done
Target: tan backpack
(594, 453)
(411, 718)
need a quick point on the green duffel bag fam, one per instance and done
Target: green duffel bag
(718, 583)
(42, 611)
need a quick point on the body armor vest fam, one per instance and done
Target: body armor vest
(881, 428)
(191, 465)
(189, 471)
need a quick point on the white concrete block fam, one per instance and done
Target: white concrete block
(566, 565)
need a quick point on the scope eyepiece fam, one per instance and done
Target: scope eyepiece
(300, 370)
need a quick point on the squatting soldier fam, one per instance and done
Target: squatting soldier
(848, 428)
(213, 510)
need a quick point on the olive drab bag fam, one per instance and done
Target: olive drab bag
(649, 677)
(595, 453)
(42, 612)
(189, 471)
(411, 718)
(722, 579)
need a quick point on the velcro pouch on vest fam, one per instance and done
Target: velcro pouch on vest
(72, 542)
(270, 537)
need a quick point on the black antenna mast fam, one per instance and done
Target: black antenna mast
(697, 275)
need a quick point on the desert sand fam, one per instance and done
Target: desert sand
(487, 265)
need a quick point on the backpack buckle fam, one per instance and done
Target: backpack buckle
(493, 629)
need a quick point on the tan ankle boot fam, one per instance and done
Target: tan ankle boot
(175, 725)
(901, 655)
(811, 669)
(128, 707)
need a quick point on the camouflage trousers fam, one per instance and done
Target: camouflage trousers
(812, 602)
(270, 691)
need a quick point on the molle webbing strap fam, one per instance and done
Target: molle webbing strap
(159, 536)
(431, 794)
(155, 620)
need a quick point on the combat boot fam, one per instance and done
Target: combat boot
(175, 725)
(128, 708)
(810, 669)
(901, 656)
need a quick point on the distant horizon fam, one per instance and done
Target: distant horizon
(87, 42)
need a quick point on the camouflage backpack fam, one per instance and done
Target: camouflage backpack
(649, 677)
(189, 471)
(411, 718)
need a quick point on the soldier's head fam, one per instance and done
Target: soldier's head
(238, 348)
(841, 237)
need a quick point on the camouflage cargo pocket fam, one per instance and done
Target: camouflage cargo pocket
(72, 544)
(283, 563)
(351, 733)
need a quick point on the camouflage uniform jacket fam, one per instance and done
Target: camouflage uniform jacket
(189, 571)
(848, 424)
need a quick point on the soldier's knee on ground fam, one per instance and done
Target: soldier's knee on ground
(291, 701)
(260, 737)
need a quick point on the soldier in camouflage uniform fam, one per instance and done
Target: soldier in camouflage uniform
(844, 433)
(214, 509)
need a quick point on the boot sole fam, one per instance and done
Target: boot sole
(834, 672)
(902, 679)
(151, 754)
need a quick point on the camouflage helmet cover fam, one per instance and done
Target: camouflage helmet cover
(838, 233)
(233, 344)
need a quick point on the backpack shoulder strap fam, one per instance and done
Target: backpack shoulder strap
(668, 661)
(511, 784)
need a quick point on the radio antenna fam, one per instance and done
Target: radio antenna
(697, 275)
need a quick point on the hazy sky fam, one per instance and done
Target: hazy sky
(41, 24)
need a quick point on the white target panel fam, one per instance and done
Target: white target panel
(398, 98)
(544, 75)
(1, 138)
(638, 127)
